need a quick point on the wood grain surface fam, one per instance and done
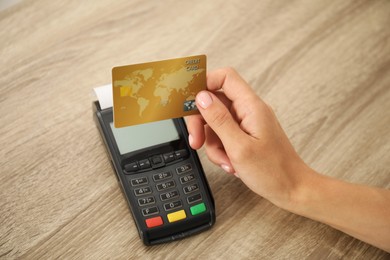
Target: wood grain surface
(323, 65)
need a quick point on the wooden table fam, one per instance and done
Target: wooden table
(323, 65)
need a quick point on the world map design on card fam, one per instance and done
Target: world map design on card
(157, 90)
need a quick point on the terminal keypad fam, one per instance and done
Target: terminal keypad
(158, 194)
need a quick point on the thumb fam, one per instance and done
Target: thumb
(219, 118)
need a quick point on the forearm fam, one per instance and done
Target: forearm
(360, 211)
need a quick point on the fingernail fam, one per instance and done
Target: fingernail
(226, 168)
(204, 99)
(190, 139)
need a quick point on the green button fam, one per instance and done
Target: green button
(197, 209)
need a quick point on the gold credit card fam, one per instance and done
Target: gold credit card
(157, 90)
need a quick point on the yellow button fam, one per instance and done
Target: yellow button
(176, 216)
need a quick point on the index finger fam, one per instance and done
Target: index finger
(230, 82)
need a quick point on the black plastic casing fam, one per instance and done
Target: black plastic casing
(168, 231)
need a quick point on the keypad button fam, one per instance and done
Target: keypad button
(146, 201)
(132, 167)
(194, 198)
(144, 164)
(181, 154)
(184, 168)
(169, 195)
(191, 188)
(142, 191)
(169, 157)
(157, 159)
(154, 222)
(150, 211)
(176, 216)
(197, 209)
(165, 185)
(162, 176)
(139, 181)
(187, 178)
(172, 205)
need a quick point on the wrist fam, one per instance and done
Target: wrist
(303, 183)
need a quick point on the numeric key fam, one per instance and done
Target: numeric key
(191, 188)
(139, 181)
(146, 201)
(169, 195)
(142, 191)
(187, 178)
(162, 176)
(165, 185)
(184, 168)
(172, 205)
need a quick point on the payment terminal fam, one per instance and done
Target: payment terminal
(160, 175)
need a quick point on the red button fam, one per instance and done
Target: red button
(154, 222)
